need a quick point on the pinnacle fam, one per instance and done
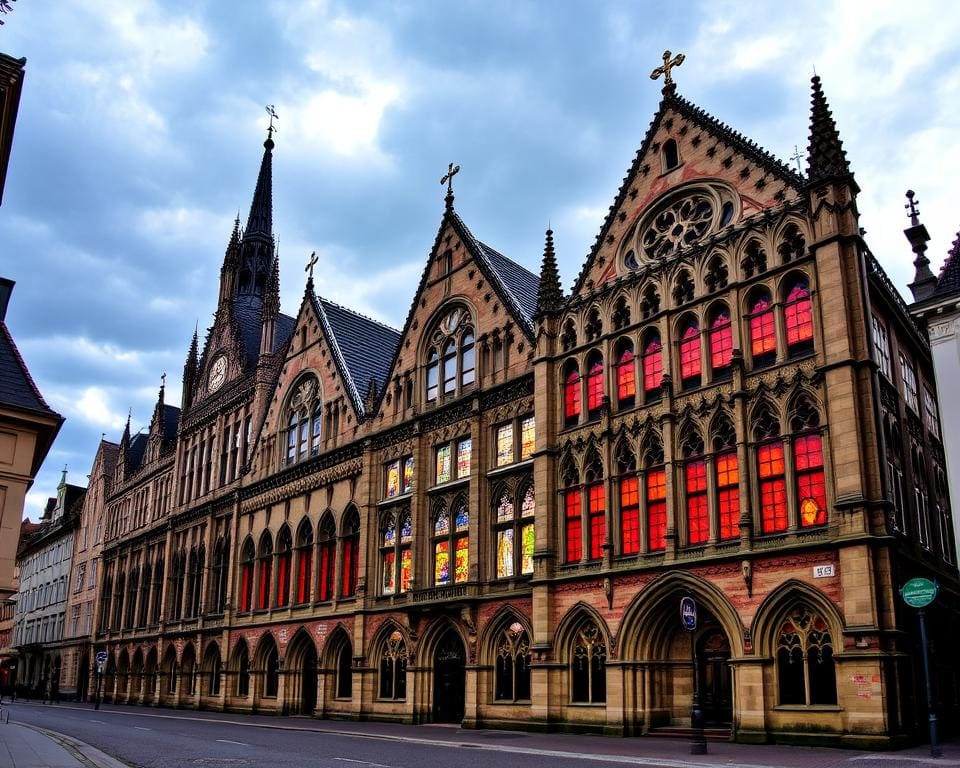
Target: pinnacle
(550, 296)
(826, 156)
(260, 220)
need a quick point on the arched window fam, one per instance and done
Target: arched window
(596, 508)
(451, 545)
(246, 576)
(793, 245)
(695, 489)
(571, 394)
(510, 528)
(755, 260)
(304, 419)
(589, 667)
(573, 515)
(683, 289)
(655, 489)
(652, 365)
(671, 155)
(650, 303)
(451, 356)
(243, 670)
(771, 473)
(133, 581)
(798, 318)
(629, 486)
(350, 560)
(716, 277)
(594, 385)
(621, 314)
(396, 560)
(221, 563)
(808, 465)
(284, 553)
(512, 679)
(393, 667)
(304, 561)
(626, 375)
(326, 557)
(806, 673)
(145, 581)
(264, 571)
(763, 335)
(568, 339)
(271, 672)
(593, 328)
(690, 354)
(721, 342)
(345, 670)
(727, 479)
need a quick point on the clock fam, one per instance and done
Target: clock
(218, 374)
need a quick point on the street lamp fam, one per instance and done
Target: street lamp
(688, 619)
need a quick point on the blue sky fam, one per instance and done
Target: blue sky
(141, 127)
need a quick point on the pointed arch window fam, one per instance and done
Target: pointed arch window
(806, 674)
(571, 395)
(727, 480)
(763, 335)
(589, 666)
(629, 485)
(655, 489)
(221, 564)
(798, 317)
(284, 556)
(304, 420)
(393, 668)
(304, 561)
(515, 533)
(344, 670)
(652, 364)
(721, 342)
(351, 548)
(808, 465)
(246, 576)
(512, 679)
(396, 558)
(243, 671)
(594, 385)
(695, 489)
(573, 517)
(451, 544)
(626, 375)
(271, 670)
(264, 571)
(690, 370)
(326, 557)
(771, 472)
(451, 357)
(596, 509)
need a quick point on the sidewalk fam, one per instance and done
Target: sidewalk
(23, 746)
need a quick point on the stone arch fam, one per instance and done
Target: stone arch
(210, 669)
(188, 669)
(300, 668)
(501, 619)
(774, 606)
(791, 237)
(338, 663)
(150, 672)
(266, 665)
(169, 671)
(123, 672)
(431, 636)
(789, 279)
(570, 623)
(240, 667)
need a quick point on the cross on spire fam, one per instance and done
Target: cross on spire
(668, 64)
(797, 156)
(271, 110)
(311, 263)
(911, 206)
(452, 170)
(163, 379)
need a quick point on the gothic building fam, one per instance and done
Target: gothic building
(491, 515)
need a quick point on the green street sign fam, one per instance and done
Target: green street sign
(919, 593)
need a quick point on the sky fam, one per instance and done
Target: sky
(141, 126)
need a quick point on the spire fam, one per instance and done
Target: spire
(949, 281)
(271, 300)
(924, 283)
(825, 156)
(550, 296)
(190, 372)
(125, 440)
(260, 220)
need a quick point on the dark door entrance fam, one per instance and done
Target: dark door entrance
(449, 679)
(308, 681)
(713, 657)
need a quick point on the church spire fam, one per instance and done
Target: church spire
(924, 283)
(550, 296)
(256, 243)
(231, 262)
(826, 158)
(190, 373)
(260, 220)
(271, 309)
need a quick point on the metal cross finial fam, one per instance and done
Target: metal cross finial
(452, 170)
(273, 116)
(310, 265)
(798, 156)
(163, 379)
(668, 64)
(912, 207)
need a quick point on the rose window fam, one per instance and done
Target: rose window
(678, 226)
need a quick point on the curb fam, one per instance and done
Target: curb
(86, 754)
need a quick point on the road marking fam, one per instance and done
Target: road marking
(227, 741)
(99, 722)
(141, 728)
(362, 762)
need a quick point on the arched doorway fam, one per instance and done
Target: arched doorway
(449, 678)
(713, 671)
(301, 686)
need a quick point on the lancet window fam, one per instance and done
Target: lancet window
(514, 531)
(393, 667)
(588, 673)
(512, 679)
(451, 356)
(806, 673)
(396, 557)
(304, 421)
(451, 544)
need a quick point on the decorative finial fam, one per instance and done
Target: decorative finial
(163, 380)
(273, 116)
(911, 206)
(797, 156)
(452, 170)
(668, 64)
(311, 263)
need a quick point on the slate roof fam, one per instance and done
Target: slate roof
(171, 418)
(138, 444)
(365, 346)
(247, 315)
(949, 280)
(520, 282)
(17, 388)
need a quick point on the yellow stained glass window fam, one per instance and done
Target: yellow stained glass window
(464, 449)
(389, 573)
(408, 475)
(406, 569)
(528, 435)
(441, 562)
(504, 445)
(505, 553)
(462, 560)
(443, 464)
(526, 553)
(393, 479)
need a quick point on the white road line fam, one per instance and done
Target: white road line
(227, 741)
(141, 728)
(99, 722)
(362, 762)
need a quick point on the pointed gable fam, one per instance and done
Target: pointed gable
(707, 149)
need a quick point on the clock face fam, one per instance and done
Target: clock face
(218, 374)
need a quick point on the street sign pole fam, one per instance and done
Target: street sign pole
(101, 663)
(919, 593)
(688, 619)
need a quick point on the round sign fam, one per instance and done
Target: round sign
(688, 613)
(919, 593)
(102, 657)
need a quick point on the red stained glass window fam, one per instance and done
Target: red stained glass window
(698, 519)
(574, 526)
(595, 386)
(571, 395)
(349, 586)
(630, 515)
(263, 597)
(283, 579)
(246, 586)
(304, 566)
(773, 488)
(657, 509)
(652, 365)
(728, 494)
(598, 523)
(690, 353)
(328, 549)
(811, 491)
(721, 341)
(763, 336)
(626, 377)
(798, 315)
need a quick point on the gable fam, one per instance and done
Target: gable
(685, 149)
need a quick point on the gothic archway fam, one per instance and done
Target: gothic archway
(301, 678)
(449, 678)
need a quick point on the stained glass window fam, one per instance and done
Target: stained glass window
(626, 377)
(763, 335)
(442, 525)
(462, 564)
(598, 522)
(721, 341)
(528, 435)
(595, 386)
(408, 474)
(406, 569)
(690, 354)
(441, 562)
(504, 444)
(728, 494)
(443, 464)
(698, 520)
(505, 553)
(505, 509)
(389, 573)
(445, 543)
(652, 366)
(574, 526)
(656, 509)
(464, 450)
(393, 479)
(463, 518)
(528, 537)
(630, 515)
(811, 491)
(773, 489)
(798, 315)
(571, 397)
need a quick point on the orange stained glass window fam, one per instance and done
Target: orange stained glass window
(598, 520)
(571, 395)
(690, 352)
(657, 509)
(389, 585)
(574, 526)
(406, 569)
(304, 566)
(528, 437)
(283, 579)
(328, 550)
(773, 488)
(652, 365)
(350, 564)
(721, 341)
(811, 490)
(630, 515)
(763, 335)
(443, 464)
(441, 562)
(461, 565)
(698, 520)
(728, 494)
(393, 479)
(798, 314)
(505, 444)
(595, 386)
(626, 377)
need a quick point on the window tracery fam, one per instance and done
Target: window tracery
(304, 420)
(805, 667)
(451, 357)
(589, 666)
(512, 681)
(755, 260)
(514, 531)
(793, 246)
(683, 288)
(621, 314)
(650, 303)
(396, 557)
(717, 275)
(393, 667)
(594, 326)
(451, 544)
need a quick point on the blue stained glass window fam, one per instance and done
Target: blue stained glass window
(463, 518)
(406, 530)
(442, 526)
(389, 534)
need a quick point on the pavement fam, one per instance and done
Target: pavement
(28, 742)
